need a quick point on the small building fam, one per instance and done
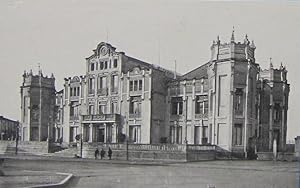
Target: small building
(8, 128)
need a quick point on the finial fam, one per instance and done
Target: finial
(30, 72)
(246, 41)
(218, 39)
(281, 66)
(232, 35)
(252, 44)
(52, 75)
(271, 64)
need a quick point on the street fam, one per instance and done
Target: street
(225, 174)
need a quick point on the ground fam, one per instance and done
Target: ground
(219, 174)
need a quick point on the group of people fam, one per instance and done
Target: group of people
(102, 153)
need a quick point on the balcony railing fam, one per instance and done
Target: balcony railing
(74, 118)
(201, 116)
(101, 117)
(102, 91)
(114, 89)
(136, 115)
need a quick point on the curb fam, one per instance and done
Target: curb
(60, 184)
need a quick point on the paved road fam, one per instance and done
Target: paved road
(221, 174)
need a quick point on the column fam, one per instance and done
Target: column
(56, 134)
(105, 132)
(114, 133)
(91, 133)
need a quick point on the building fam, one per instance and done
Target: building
(8, 129)
(228, 101)
(37, 107)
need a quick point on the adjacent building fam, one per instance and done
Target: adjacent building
(228, 101)
(8, 129)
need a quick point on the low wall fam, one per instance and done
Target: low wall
(24, 147)
(281, 156)
(158, 152)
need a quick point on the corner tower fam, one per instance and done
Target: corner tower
(232, 75)
(37, 106)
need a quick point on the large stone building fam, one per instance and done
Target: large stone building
(37, 107)
(8, 128)
(228, 101)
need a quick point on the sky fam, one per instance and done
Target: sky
(60, 34)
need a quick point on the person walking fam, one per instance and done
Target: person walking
(96, 153)
(102, 153)
(109, 153)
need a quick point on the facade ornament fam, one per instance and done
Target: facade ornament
(232, 36)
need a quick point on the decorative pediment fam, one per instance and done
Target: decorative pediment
(75, 79)
(104, 49)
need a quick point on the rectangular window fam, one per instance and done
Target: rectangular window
(238, 134)
(176, 105)
(140, 85)
(115, 63)
(105, 65)
(101, 65)
(201, 105)
(92, 66)
(78, 91)
(239, 102)
(204, 134)
(114, 83)
(135, 85)
(102, 109)
(91, 109)
(102, 82)
(91, 85)
(71, 92)
(131, 86)
(114, 108)
(135, 105)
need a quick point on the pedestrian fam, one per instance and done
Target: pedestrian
(102, 153)
(96, 153)
(109, 153)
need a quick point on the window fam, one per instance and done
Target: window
(92, 66)
(101, 65)
(238, 101)
(140, 84)
(204, 134)
(238, 134)
(97, 66)
(277, 114)
(211, 102)
(102, 109)
(91, 85)
(102, 82)
(91, 109)
(78, 91)
(109, 63)
(115, 63)
(71, 92)
(135, 105)
(105, 65)
(131, 86)
(114, 108)
(176, 105)
(135, 85)
(201, 106)
(114, 83)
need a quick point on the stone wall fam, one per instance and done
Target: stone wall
(24, 147)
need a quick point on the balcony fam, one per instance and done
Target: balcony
(74, 118)
(114, 90)
(91, 91)
(101, 117)
(102, 91)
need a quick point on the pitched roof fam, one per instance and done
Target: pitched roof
(200, 72)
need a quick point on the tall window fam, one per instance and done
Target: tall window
(135, 85)
(114, 83)
(277, 114)
(140, 85)
(176, 105)
(91, 109)
(91, 85)
(105, 65)
(201, 106)
(238, 134)
(114, 108)
(204, 134)
(115, 63)
(101, 65)
(102, 109)
(102, 82)
(239, 101)
(92, 66)
(135, 105)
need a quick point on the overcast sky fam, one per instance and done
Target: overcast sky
(61, 34)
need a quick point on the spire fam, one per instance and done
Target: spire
(252, 44)
(232, 35)
(218, 39)
(271, 64)
(246, 41)
(281, 66)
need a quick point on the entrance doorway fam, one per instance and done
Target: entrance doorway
(100, 134)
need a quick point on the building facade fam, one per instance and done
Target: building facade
(228, 101)
(8, 129)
